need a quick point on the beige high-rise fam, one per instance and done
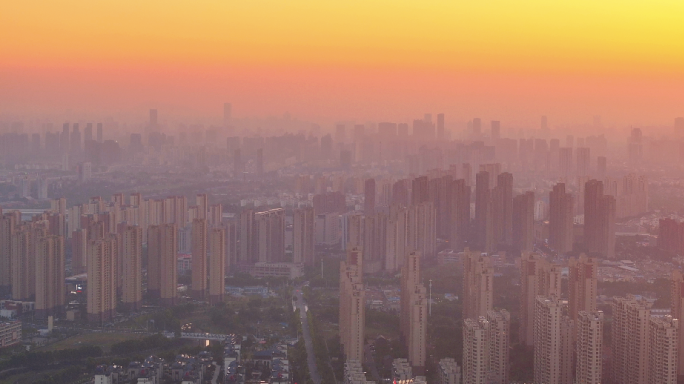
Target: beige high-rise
(8, 223)
(677, 306)
(414, 312)
(303, 236)
(498, 345)
(582, 285)
(270, 235)
(162, 263)
(662, 350)
(631, 318)
(395, 248)
(101, 284)
(537, 278)
(352, 305)
(478, 284)
(561, 215)
(199, 259)
(552, 342)
(589, 347)
(50, 285)
(475, 346)
(131, 243)
(422, 230)
(217, 264)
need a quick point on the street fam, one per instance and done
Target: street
(313, 370)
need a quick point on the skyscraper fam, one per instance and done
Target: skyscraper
(475, 367)
(50, 286)
(599, 219)
(414, 311)
(101, 282)
(217, 264)
(199, 258)
(484, 232)
(523, 221)
(131, 239)
(630, 347)
(583, 161)
(460, 212)
(162, 246)
(552, 342)
(502, 209)
(560, 219)
(498, 340)
(369, 197)
(537, 278)
(589, 347)
(662, 349)
(8, 223)
(352, 305)
(478, 284)
(270, 235)
(303, 236)
(582, 285)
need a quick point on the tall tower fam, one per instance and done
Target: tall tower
(202, 205)
(303, 236)
(369, 197)
(8, 223)
(352, 305)
(483, 212)
(413, 311)
(162, 250)
(217, 264)
(630, 340)
(199, 258)
(537, 278)
(498, 345)
(583, 161)
(475, 367)
(101, 282)
(552, 342)
(582, 285)
(502, 210)
(523, 221)
(662, 350)
(560, 219)
(50, 287)
(131, 239)
(460, 212)
(589, 344)
(270, 235)
(599, 219)
(478, 288)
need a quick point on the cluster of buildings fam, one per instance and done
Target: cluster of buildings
(154, 370)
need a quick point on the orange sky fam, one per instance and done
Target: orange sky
(369, 60)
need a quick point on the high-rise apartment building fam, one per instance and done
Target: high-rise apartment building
(395, 246)
(270, 235)
(676, 310)
(352, 305)
(552, 342)
(101, 279)
(162, 267)
(460, 213)
(199, 258)
(247, 237)
(50, 286)
(523, 221)
(599, 219)
(202, 202)
(8, 224)
(629, 337)
(565, 163)
(303, 236)
(663, 349)
(478, 284)
(422, 231)
(485, 348)
(589, 347)
(561, 218)
(498, 346)
(131, 240)
(582, 285)
(369, 194)
(217, 264)
(502, 209)
(537, 278)
(413, 319)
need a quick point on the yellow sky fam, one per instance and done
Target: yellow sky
(295, 50)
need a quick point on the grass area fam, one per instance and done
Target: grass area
(103, 340)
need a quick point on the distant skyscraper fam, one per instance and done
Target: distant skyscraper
(199, 258)
(582, 285)
(101, 280)
(303, 236)
(414, 312)
(583, 161)
(460, 212)
(502, 209)
(131, 237)
(227, 113)
(369, 197)
(537, 278)
(162, 246)
(561, 218)
(478, 280)
(599, 219)
(50, 287)
(217, 264)
(523, 221)
(483, 212)
(260, 162)
(352, 310)
(270, 235)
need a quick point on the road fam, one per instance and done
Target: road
(369, 358)
(313, 370)
(217, 370)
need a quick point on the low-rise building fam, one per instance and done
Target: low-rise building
(10, 333)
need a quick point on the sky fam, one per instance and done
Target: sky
(366, 60)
